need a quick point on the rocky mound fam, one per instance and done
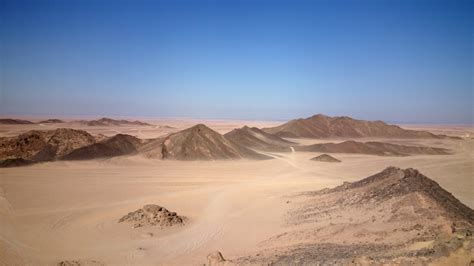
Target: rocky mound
(395, 182)
(198, 143)
(258, 139)
(322, 126)
(51, 121)
(152, 215)
(396, 216)
(105, 122)
(44, 145)
(117, 145)
(325, 158)
(372, 148)
(10, 121)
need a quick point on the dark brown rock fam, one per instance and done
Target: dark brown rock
(322, 126)
(152, 215)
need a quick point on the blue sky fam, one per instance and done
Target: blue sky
(394, 60)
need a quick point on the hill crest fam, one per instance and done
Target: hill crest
(199, 142)
(255, 138)
(323, 126)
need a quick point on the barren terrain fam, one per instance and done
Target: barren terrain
(70, 210)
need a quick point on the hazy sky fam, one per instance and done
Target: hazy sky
(395, 60)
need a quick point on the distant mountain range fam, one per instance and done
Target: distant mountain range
(104, 122)
(112, 122)
(202, 143)
(11, 121)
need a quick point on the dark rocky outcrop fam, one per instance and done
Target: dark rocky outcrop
(198, 143)
(395, 217)
(372, 148)
(152, 215)
(322, 126)
(38, 145)
(11, 121)
(15, 162)
(117, 145)
(105, 122)
(325, 158)
(51, 121)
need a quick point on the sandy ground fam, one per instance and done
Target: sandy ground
(69, 210)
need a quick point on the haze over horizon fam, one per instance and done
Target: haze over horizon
(397, 61)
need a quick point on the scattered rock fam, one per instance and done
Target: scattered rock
(80, 263)
(363, 260)
(152, 215)
(216, 259)
(147, 235)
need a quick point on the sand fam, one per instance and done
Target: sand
(59, 211)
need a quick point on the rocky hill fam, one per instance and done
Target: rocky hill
(322, 126)
(105, 122)
(255, 138)
(51, 121)
(117, 145)
(15, 162)
(38, 145)
(395, 182)
(325, 158)
(10, 121)
(372, 148)
(198, 143)
(398, 216)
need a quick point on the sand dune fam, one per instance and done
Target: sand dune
(322, 126)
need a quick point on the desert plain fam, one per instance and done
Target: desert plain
(60, 211)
